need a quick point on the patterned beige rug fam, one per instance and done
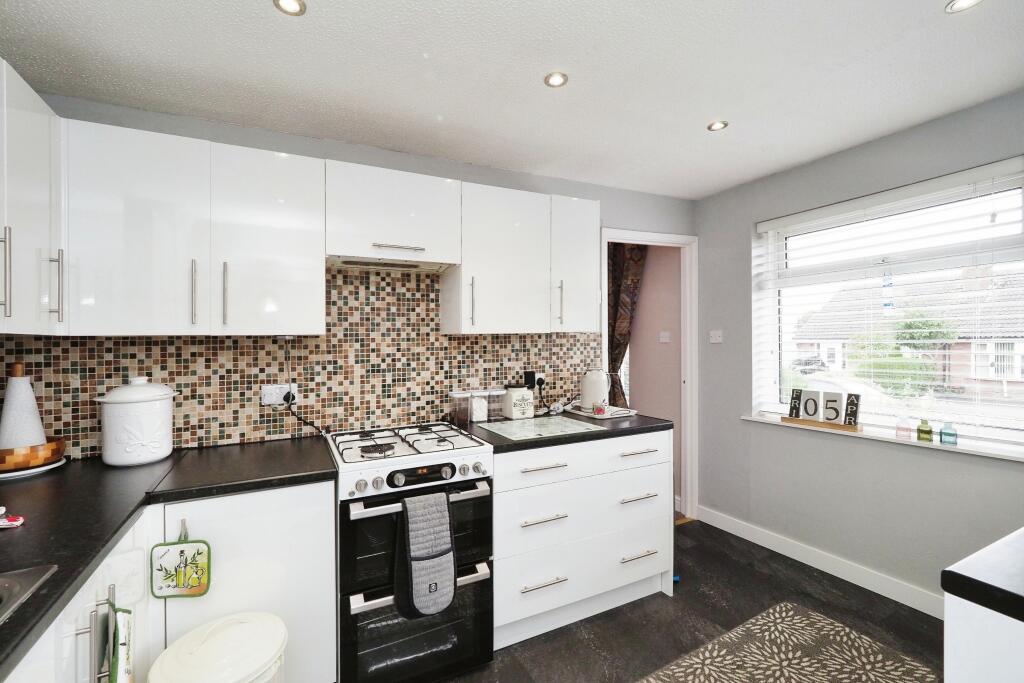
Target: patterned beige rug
(791, 644)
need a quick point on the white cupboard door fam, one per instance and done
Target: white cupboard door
(506, 260)
(39, 665)
(268, 255)
(378, 213)
(271, 551)
(27, 157)
(138, 231)
(575, 265)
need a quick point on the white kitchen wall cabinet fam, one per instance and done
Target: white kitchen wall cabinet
(271, 551)
(379, 214)
(503, 285)
(575, 264)
(138, 222)
(268, 251)
(29, 148)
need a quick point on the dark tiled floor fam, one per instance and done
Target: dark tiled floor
(725, 581)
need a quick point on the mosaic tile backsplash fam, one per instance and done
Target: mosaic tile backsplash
(382, 362)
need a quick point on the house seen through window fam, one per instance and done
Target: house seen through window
(920, 311)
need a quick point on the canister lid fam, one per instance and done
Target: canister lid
(515, 385)
(138, 390)
(231, 649)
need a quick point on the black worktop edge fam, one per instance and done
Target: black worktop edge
(610, 432)
(209, 491)
(981, 593)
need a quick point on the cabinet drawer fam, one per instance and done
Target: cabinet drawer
(520, 469)
(543, 516)
(549, 578)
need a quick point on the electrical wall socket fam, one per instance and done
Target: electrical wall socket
(273, 394)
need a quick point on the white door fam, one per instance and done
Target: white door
(378, 213)
(506, 260)
(271, 551)
(138, 231)
(26, 200)
(575, 264)
(268, 255)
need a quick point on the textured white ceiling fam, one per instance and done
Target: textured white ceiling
(460, 79)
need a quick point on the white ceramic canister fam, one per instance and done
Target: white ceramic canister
(518, 402)
(137, 420)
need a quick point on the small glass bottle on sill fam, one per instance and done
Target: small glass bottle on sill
(905, 429)
(924, 431)
(947, 437)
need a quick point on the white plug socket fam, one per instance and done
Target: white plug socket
(273, 394)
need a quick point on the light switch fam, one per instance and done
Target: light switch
(715, 336)
(664, 337)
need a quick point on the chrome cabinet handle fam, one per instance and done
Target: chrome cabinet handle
(6, 302)
(553, 518)
(93, 628)
(555, 466)
(359, 511)
(193, 302)
(646, 553)
(472, 301)
(561, 302)
(224, 293)
(60, 285)
(643, 452)
(359, 604)
(553, 582)
(646, 496)
(379, 245)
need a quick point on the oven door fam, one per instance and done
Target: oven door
(367, 528)
(378, 644)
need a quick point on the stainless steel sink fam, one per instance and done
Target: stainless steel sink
(17, 585)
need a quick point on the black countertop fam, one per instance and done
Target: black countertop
(616, 426)
(219, 470)
(993, 577)
(76, 514)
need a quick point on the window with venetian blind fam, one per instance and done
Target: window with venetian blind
(912, 298)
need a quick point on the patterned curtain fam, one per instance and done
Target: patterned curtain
(625, 271)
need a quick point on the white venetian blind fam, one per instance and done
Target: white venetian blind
(913, 299)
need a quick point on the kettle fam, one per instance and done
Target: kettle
(594, 387)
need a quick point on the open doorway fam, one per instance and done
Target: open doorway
(650, 345)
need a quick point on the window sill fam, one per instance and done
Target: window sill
(966, 446)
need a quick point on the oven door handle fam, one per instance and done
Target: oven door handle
(358, 511)
(359, 604)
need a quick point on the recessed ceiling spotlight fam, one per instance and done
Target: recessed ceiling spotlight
(556, 79)
(716, 126)
(954, 6)
(293, 8)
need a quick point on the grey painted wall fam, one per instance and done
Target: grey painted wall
(624, 209)
(901, 510)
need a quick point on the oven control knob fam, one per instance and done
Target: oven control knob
(463, 469)
(478, 467)
(361, 485)
(378, 483)
(447, 472)
(399, 479)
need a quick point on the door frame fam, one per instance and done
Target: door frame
(687, 245)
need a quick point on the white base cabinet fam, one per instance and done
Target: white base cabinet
(980, 644)
(270, 551)
(580, 529)
(70, 649)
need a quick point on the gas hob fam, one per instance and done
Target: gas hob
(377, 461)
